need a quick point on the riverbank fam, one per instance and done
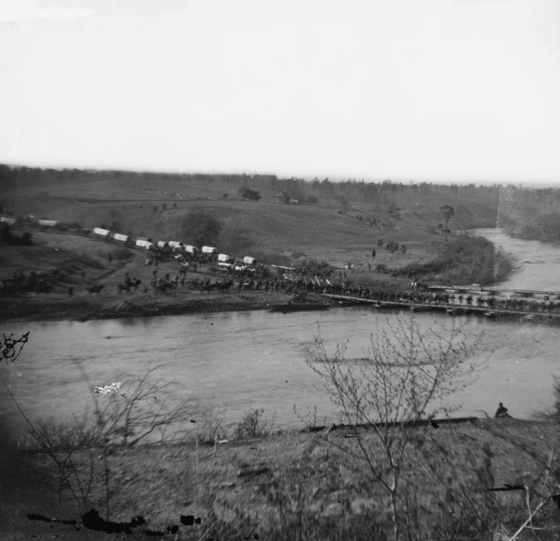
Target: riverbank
(37, 307)
(315, 486)
(74, 265)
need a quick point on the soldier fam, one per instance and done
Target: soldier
(502, 412)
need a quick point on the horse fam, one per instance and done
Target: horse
(162, 288)
(208, 287)
(224, 286)
(96, 288)
(129, 283)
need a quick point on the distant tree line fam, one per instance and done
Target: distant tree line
(345, 194)
(529, 213)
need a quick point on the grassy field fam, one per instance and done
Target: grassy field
(155, 205)
(316, 486)
(147, 207)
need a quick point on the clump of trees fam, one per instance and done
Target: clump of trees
(251, 195)
(202, 225)
(466, 259)
(530, 214)
(236, 239)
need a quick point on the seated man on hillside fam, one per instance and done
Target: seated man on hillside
(502, 412)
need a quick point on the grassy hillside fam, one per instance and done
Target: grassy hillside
(307, 486)
(343, 225)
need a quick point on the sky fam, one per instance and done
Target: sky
(423, 90)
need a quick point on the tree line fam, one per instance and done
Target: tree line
(12, 177)
(529, 213)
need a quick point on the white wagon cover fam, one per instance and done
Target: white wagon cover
(209, 250)
(99, 231)
(142, 243)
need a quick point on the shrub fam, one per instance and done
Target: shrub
(310, 419)
(466, 259)
(407, 376)
(9, 238)
(124, 414)
(26, 238)
(252, 426)
(247, 193)
(202, 226)
(211, 425)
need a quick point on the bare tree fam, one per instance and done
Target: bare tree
(407, 376)
(125, 413)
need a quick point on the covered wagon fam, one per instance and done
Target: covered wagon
(142, 242)
(47, 223)
(119, 237)
(101, 232)
(224, 258)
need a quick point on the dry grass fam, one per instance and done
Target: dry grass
(315, 486)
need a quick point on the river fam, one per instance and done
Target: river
(244, 360)
(539, 262)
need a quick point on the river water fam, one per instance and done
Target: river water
(244, 360)
(539, 263)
